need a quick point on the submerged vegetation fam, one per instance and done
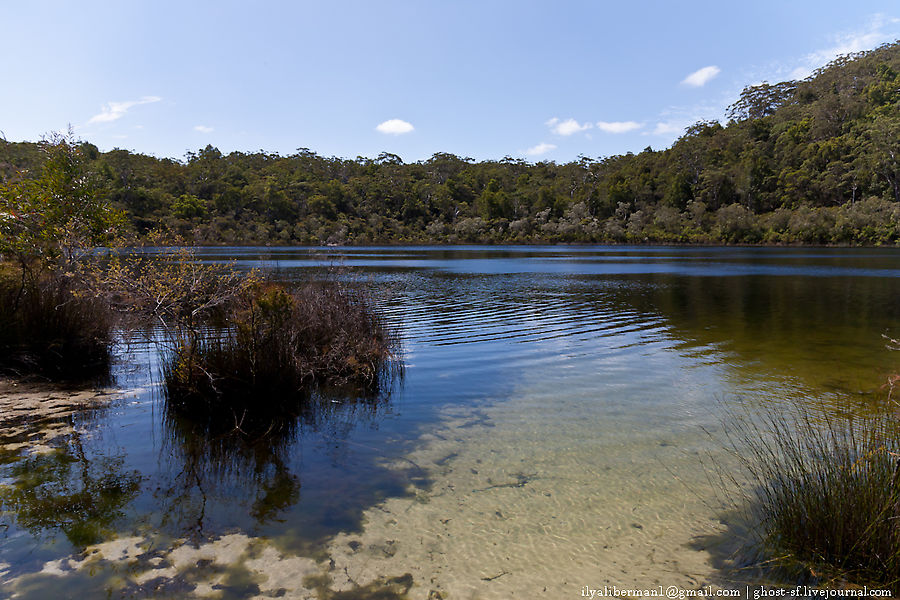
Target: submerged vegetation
(825, 490)
(812, 161)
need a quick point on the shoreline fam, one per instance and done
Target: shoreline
(33, 414)
(536, 244)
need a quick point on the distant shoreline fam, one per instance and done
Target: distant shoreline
(539, 244)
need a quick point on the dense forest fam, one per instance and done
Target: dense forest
(815, 161)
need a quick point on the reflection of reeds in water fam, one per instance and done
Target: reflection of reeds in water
(253, 450)
(238, 396)
(229, 441)
(825, 491)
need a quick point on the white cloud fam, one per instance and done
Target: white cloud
(880, 29)
(618, 126)
(673, 120)
(541, 148)
(668, 128)
(395, 127)
(203, 128)
(114, 111)
(801, 72)
(567, 127)
(701, 77)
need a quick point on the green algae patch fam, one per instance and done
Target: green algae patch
(382, 588)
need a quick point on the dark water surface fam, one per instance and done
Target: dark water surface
(578, 364)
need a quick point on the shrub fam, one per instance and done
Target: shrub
(668, 221)
(276, 345)
(470, 229)
(810, 225)
(736, 224)
(826, 491)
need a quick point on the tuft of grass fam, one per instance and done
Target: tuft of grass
(825, 490)
(277, 344)
(48, 328)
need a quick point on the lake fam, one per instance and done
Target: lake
(557, 425)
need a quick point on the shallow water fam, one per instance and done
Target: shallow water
(553, 430)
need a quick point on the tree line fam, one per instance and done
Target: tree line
(815, 161)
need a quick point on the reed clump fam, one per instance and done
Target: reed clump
(51, 328)
(277, 343)
(826, 491)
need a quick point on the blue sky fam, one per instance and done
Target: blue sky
(488, 79)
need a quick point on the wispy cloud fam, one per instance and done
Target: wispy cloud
(114, 111)
(618, 126)
(701, 77)
(673, 120)
(881, 28)
(567, 127)
(668, 127)
(203, 128)
(395, 127)
(542, 148)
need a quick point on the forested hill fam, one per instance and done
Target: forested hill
(812, 161)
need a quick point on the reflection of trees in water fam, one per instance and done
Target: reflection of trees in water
(66, 489)
(823, 333)
(247, 457)
(820, 333)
